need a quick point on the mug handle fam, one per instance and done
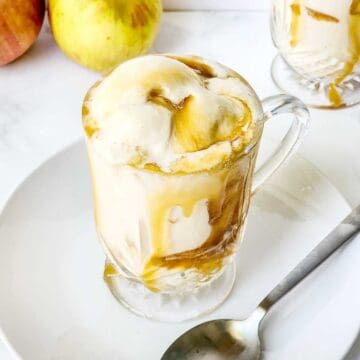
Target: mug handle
(273, 106)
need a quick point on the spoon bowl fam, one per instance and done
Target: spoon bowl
(220, 340)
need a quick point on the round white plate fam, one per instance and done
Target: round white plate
(55, 305)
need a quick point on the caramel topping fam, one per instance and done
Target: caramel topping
(319, 16)
(90, 129)
(355, 7)
(90, 125)
(196, 64)
(295, 22)
(155, 96)
(200, 117)
(152, 167)
(85, 111)
(194, 131)
(161, 203)
(227, 194)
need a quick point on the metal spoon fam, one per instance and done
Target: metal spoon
(239, 339)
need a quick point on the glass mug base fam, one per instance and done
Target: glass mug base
(173, 307)
(313, 94)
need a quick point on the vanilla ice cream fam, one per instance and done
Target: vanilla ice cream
(165, 137)
(319, 39)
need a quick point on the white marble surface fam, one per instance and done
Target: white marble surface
(41, 95)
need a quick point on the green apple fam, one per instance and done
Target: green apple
(100, 34)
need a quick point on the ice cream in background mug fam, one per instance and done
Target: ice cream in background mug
(319, 46)
(172, 143)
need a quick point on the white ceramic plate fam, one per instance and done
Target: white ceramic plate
(54, 304)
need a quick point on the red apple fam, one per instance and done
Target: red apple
(20, 24)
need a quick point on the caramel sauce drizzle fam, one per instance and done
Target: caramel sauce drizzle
(110, 270)
(190, 127)
(228, 194)
(319, 16)
(295, 23)
(334, 96)
(196, 64)
(161, 203)
(89, 123)
(90, 130)
(156, 96)
(191, 131)
(355, 7)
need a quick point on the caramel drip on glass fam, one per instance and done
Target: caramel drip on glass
(355, 7)
(295, 23)
(334, 96)
(110, 271)
(90, 125)
(227, 194)
(319, 16)
(163, 202)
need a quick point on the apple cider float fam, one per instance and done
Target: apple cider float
(166, 137)
(320, 41)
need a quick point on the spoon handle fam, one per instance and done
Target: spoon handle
(337, 237)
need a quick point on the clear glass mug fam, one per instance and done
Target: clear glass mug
(211, 206)
(319, 50)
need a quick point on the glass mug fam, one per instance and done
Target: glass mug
(207, 208)
(319, 50)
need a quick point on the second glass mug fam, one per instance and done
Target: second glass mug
(319, 50)
(179, 284)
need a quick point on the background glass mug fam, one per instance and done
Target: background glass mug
(205, 207)
(319, 47)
